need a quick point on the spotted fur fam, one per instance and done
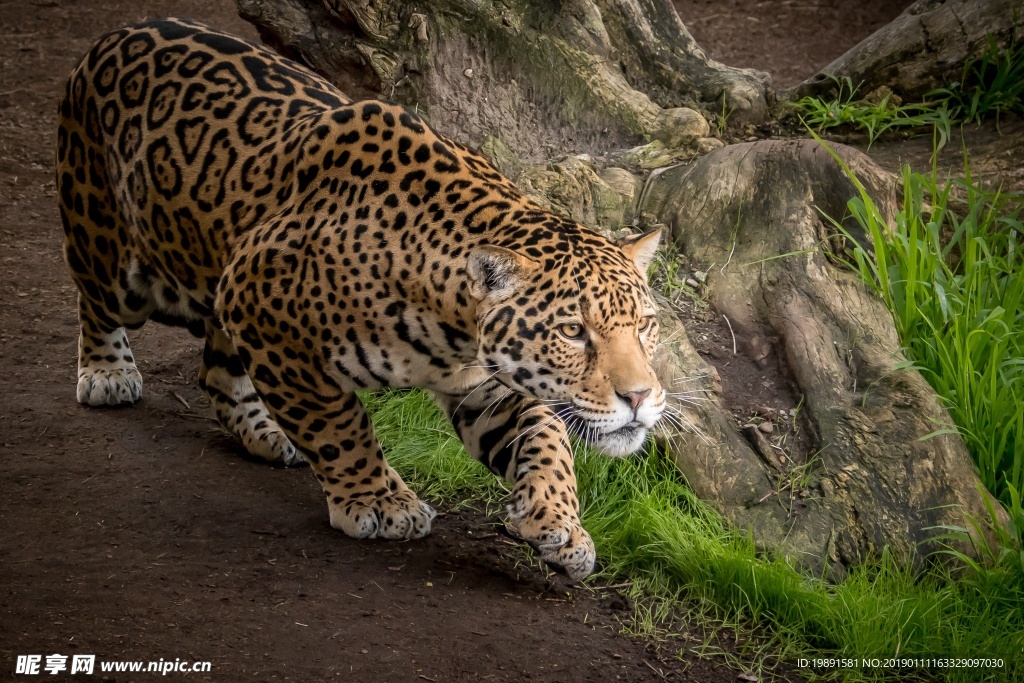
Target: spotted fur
(323, 246)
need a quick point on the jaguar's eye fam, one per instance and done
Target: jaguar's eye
(572, 331)
(646, 322)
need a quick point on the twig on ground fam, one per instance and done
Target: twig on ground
(732, 333)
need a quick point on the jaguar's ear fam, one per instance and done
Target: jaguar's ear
(497, 270)
(640, 249)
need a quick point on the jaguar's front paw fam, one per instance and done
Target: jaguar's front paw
(394, 515)
(559, 538)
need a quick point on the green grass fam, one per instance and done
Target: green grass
(684, 562)
(952, 274)
(420, 442)
(873, 118)
(990, 85)
(668, 274)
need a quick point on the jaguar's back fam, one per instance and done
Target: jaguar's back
(180, 128)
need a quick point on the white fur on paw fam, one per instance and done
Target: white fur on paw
(566, 544)
(406, 522)
(358, 521)
(109, 387)
(273, 446)
(394, 516)
(290, 455)
(577, 557)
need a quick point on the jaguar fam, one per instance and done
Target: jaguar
(324, 246)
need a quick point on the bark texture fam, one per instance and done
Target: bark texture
(545, 77)
(922, 49)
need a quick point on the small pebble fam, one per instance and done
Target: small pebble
(766, 427)
(468, 73)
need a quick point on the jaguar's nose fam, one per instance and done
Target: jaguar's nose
(634, 398)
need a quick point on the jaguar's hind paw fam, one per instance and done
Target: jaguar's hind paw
(109, 386)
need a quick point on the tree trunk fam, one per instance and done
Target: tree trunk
(528, 81)
(922, 49)
(875, 478)
(546, 77)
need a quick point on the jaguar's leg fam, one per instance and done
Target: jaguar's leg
(523, 441)
(365, 497)
(94, 239)
(107, 375)
(237, 406)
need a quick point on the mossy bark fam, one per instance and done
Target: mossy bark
(877, 479)
(547, 78)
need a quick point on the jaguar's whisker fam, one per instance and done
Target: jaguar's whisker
(687, 425)
(694, 400)
(475, 389)
(692, 378)
(534, 429)
(494, 404)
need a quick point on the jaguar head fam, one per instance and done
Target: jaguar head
(577, 332)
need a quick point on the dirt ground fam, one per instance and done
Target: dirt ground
(139, 534)
(790, 39)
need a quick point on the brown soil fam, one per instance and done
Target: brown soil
(995, 153)
(139, 534)
(790, 39)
